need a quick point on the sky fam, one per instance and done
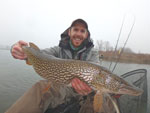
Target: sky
(42, 21)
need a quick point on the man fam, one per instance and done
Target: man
(76, 44)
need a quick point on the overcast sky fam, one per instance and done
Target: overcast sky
(42, 21)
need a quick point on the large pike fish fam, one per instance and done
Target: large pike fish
(62, 71)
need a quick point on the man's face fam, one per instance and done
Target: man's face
(78, 34)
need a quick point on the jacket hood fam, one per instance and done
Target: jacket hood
(64, 42)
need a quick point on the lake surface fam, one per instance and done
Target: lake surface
(16, 77)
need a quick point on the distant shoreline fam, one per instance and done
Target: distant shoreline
(126, 57)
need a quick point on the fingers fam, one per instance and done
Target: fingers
(17, 51)
(80, 87)
(77, 88)
(22, 43)
(17, 55)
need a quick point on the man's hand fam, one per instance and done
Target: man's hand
(17, 51)
(80, 87)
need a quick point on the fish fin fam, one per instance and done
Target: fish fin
(130, 90)
(28, 62)
(46, 88)
(98, 101)
(34, 46)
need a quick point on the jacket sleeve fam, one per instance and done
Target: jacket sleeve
(54, 51)
(93, 56)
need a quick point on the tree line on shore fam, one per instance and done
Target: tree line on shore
(123, 54)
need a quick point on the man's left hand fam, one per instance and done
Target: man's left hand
(80, 87)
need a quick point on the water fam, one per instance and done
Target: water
(16, 77)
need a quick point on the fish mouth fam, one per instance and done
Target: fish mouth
(130, 90)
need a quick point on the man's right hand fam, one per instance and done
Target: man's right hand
(17, 51)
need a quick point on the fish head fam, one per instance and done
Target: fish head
(127, 88)
(108, 82)
(31, 52)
